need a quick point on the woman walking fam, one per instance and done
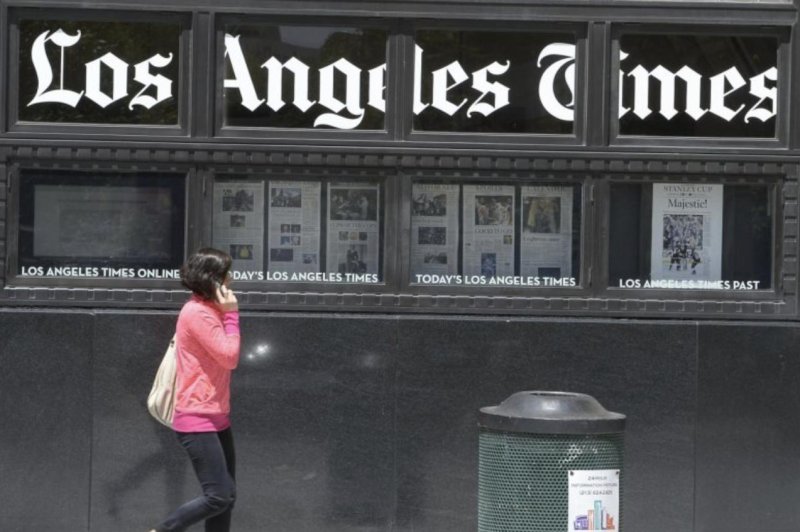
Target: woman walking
(207, 350)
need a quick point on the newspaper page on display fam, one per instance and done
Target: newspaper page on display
(91, 221)
(294, 226)
(686, 242)
(488, 231)
(238, 226)
(353, 232)
(434, 229)
(546, 246)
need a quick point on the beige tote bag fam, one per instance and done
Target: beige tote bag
(161, 401)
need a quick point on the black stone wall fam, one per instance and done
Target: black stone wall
(350, 422)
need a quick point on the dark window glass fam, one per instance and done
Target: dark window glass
(698, 85)
(494, 235)
(109, 225)
(99, 72)
(690, 236)
(301, 230)
(304, 77)
(494, 82)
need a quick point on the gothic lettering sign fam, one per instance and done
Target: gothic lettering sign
(698, 86)
(99, 72)
(292, 76)
(304, 77)
(503, 82)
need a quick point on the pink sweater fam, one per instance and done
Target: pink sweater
(207, 351)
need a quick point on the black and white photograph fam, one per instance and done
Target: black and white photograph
(436, 236)
(554, 273)
(309, 258)
(295, 228)
(286, 197)
(237, 200)
(286, 228)
(241, 251)
(238, 220)
(281, 255)
(493, 210)
(285, 240)
(489, 264)
(353, 204)
(344, 235)
(425, 204)
(354, 259)
(541, 215)
(435, 258)
(683, 242)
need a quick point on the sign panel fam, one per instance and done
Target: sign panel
(287, 76)
(593, 500)
(698, 85)
(94, 72)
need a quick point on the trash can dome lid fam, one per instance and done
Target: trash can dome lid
(541, 412)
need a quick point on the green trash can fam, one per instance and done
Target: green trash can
(550, 462)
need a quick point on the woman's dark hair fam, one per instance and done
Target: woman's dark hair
(203, 270)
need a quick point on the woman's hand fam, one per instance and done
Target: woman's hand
(226, 299)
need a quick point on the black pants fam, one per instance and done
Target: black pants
(214, 461)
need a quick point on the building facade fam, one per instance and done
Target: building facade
(431, 205)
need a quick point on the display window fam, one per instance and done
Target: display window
(98, 70)
(295, 76)
(478, 81)
(691, 236)
(100, 225)
(301, 230)
(699, 85)
(495, 235)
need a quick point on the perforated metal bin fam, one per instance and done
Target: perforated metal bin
(528, 445)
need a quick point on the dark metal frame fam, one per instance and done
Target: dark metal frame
(593, 157)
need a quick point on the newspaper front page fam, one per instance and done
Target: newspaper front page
(238, 225)
(546, 235)
(488, 230)
(353, 231)
(434, 229)
(686, 242)
(294, 226)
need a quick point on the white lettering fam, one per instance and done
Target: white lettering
(759, 89)
(44, 71)
(352, 95)
(441, 88)
(547, 93)
(275, 83)
(500, 91)
(119, 88)
(718, 93)
(143, 76)
(241, 74)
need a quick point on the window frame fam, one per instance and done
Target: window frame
(783, 64)
(578, 137)
(303, 135)
(59, 129)
(13, 278)
(775, 195)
